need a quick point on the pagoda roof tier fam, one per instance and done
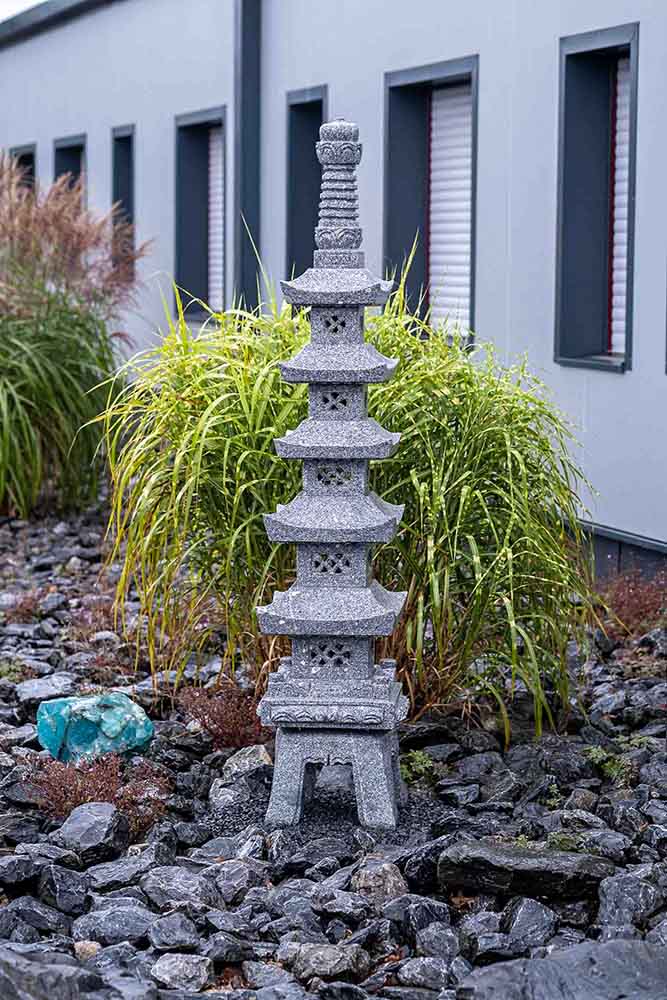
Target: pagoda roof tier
(336, 286)
(344, 363)
(348, 517)
(319, 438)
(357, 611)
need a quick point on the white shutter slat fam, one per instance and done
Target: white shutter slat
(450, 204)
(216, 217)
(619, 250)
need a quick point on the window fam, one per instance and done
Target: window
(70, 156)
(597, 129)
(200, 208)
(122, 167)
(306, 110)
(122, 172)
(430, 180)
(25, 156)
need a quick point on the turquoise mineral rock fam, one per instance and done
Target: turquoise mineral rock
(72, 728)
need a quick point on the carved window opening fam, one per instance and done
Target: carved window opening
(331, 563)
(334, 323)
(334, 401)
(330, 653)
(333, 475)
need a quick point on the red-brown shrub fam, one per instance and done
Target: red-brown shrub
(23, 611)
(639, 603)
(227, 714)
(138, 791)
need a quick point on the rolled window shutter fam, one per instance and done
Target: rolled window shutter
(216, 214)
(621, 162)
(450, 205)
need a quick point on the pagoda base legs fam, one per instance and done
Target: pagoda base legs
(372, 755)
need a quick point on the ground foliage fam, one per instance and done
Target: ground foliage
(65, 273)
(137, 790)
(490, 550)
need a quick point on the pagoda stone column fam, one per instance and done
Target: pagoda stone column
(330, 701)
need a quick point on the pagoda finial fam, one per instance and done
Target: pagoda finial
(338, 234)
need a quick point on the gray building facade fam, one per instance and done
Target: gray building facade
(537, 186)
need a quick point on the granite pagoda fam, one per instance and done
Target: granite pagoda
(330, 701)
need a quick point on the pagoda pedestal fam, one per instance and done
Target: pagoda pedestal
(330, 702)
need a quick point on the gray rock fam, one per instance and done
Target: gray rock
(244, 761)
(588, 971)
(411, 913)
(95, 831)
(228, 949)
(174, 932)
(63, 889)
(182, 972)
(22, 979)
(233, 879)
(259, 974)
(479, 933)
(169, 885)
(223, 797)
(128, 870)
(128, 920)
(486, 866)
(425, 973)
(328, 961)
(349, 906)
(38, 915)
(379, 881)
(18, 869)
(39, 689)
(630, 898)
(528, 924)
(437, 940)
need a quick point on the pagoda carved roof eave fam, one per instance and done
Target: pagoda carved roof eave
(321, 438)
(352, 517)
(335, 286)
(342, 611)
(344, 363)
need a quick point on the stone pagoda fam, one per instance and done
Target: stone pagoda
(330, 701)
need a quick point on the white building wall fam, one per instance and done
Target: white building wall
(621, 419)
(145, 61)
(136, 62)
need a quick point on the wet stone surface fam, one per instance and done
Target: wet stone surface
(539, 870)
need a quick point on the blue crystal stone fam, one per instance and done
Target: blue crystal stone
(72, 728)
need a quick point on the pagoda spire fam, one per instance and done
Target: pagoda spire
(329, 700)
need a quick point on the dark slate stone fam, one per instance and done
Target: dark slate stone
(63, 889)
(618, 970)
(174, 932)
(437, 940)
(424, 973)
(412, 913)
(493, 867)
(124, 921)
(183, 972)
(22, 979)
(18, 870)
(95, 832)
(125, 871)
(38, 915)
(631, 897)
(328, 961)
(165, 886)
(228, 949)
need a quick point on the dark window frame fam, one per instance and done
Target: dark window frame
(407, 96)
(69, 142)
(307, 95)
(122, 132)
(27, 149)
(610, 42)
(208, 117)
